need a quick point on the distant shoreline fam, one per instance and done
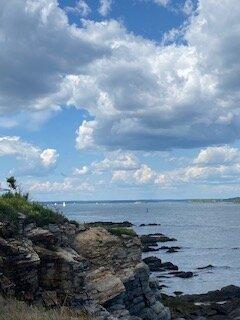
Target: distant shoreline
(232, 200)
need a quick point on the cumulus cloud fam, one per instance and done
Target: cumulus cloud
(81, 8)
(176, 96)
(218, 166)
(84, 138)
(117, 161)
(144, 174)
(126, 167)
(140, 94)
(32, 158)
(213, 165)
(105, 7)
(32, 65)
(120, 166)
(49, 157)
(218, 155)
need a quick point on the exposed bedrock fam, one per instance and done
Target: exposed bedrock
(80, 267)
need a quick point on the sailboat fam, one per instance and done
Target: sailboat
(64, 204)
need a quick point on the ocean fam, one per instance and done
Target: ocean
(208, 233)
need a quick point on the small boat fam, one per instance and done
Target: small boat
(64, 204)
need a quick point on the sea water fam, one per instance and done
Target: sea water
(208, 233)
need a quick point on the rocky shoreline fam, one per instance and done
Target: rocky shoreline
(223, 304)
(95, 268)
(98, 267)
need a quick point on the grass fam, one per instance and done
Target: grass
(11, 309)
(122, 231)
(13, 203)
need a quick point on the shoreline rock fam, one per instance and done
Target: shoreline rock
(182, 274)
(215, 305)
(91, 267)
(156, 265)
(81, 267)
(154, 239)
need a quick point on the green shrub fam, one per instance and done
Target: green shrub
(8, 214)
(13, 203)
(122, 231)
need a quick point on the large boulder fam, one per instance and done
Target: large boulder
(117, 277)
(155, 264)
(105, 249)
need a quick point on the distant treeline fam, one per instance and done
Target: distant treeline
(233, 200)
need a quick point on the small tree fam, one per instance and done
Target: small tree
(12, 183)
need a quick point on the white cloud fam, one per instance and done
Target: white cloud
(121, 175)
(49, 157)
(218, 155)
(67, 185)
(105, 7)
(84, 138)
(161, 97)
(117, 161)
(163, 3)
(189, 7)
(128, 169)
(82, 171)
(213, 165)
(27, 82)
(30, 156)
(81, 8)
(144, 174)
(141, 95)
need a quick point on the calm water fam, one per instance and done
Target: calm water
(207, 233)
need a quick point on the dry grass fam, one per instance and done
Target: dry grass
(12, 309)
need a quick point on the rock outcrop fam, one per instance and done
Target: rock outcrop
(117, 279)
(221, 304)
(80, 267)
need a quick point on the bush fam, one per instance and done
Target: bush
(13, 203)
(9, 214)
(122, 231)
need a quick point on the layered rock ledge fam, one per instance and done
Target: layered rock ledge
(92, 268)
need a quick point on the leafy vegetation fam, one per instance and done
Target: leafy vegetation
(122, 231)
(12, 183)
(14, 202)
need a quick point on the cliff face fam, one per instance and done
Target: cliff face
(85, 268)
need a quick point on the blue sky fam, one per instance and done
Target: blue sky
(121, 99)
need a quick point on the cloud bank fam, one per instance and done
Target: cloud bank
(33, 160)
(142, 95)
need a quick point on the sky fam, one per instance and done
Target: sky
(120, 99)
